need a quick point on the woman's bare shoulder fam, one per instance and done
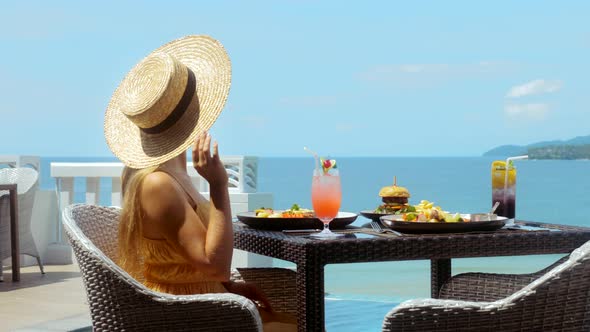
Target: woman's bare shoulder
(161, 195)
(159, 182)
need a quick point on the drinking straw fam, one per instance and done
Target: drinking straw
(506, 169)
(317, 159)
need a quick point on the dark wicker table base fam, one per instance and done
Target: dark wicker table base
(14, 239)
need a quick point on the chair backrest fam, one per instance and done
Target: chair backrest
(99, 224)
(25, 178)
(569, 277)
(27, 181)
(119, 302)
(559, 300)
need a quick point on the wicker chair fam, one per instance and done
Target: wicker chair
(119, 302)
(553, 299)
(27, 181)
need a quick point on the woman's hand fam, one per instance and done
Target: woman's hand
(209, 166)
(250, 291)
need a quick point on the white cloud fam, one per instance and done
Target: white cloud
(345, 127)
(537, 112)
(425, 68)
(429, 71)
(29, 21)
(411, 68)
(254, 122)
(308, 101)
(534, 87)
(6, 111)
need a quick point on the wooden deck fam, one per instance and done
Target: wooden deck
(55, 301)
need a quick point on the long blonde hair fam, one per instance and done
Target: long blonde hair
(130, 224)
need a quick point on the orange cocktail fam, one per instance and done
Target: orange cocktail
(326, 196)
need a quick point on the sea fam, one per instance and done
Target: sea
(553, 191)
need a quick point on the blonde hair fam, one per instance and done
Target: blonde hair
(130, 223)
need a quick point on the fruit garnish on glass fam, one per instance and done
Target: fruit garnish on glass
(327, 165)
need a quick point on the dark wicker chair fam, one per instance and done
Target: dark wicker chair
(553, 299)
(119, 302)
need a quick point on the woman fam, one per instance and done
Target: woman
(171, 237)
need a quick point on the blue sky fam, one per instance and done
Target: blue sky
(363, 78)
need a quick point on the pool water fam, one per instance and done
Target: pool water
(349, 314)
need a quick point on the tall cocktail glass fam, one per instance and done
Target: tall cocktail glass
(326, 195)
(504, 189)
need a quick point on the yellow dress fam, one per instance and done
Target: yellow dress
(166, 270)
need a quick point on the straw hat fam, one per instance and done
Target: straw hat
(166, 100)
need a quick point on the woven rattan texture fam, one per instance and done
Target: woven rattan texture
(558, 300)
(27, 181)
(276, 283)
(119, 302)
(488, 286)
(312, 255)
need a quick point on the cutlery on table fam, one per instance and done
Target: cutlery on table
(377, 228)
(296, 231)
(494, 208)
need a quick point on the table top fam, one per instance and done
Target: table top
(553, 239)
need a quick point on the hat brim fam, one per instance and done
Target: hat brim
(209, 61)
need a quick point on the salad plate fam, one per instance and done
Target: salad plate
(342, 220)
(371, 214)
(471, 224)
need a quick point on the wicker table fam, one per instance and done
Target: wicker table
(14, 245)
(312, 255)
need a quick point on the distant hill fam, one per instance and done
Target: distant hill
(515, 150)
(568, 152)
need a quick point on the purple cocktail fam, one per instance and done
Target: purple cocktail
(504, 189)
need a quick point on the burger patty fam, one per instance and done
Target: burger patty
(392, 208)
(395, 200)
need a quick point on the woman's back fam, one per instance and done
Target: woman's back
(166, 270)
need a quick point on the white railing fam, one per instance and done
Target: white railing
(242, 172)
(243, 178)
(21, 161)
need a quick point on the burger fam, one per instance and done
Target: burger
(395, 200)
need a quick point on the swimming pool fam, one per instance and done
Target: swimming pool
(346, 313)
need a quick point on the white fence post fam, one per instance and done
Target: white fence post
(66, 197)
(116, 191)
(92, 190)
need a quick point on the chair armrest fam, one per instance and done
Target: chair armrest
(203, 312)
(447, 316)
(489, 286)
(484, 286)
(278, 284)
(138, 308)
